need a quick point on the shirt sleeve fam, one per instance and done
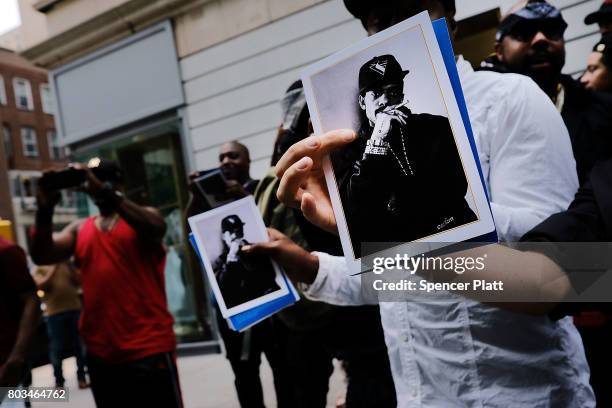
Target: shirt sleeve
(334, 284)
(532, 171)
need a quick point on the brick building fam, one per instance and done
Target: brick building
(30, 142)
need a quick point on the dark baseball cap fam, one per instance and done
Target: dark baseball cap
(604, 12)
(534, 12)
(380, 71)
(231, 223)
(362, 8)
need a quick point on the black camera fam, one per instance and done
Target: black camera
(72, 177)
(62, 179)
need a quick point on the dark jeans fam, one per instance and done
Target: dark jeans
(64, 341)
(244, 354)
(306, 363)
(353, 335)
(147, 382)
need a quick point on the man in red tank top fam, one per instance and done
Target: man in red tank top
(125, 322)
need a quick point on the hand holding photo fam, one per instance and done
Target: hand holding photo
(411, 174)
(240, 282)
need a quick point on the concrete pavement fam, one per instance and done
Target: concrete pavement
(207, 381)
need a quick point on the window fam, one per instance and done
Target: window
(46, 98)
(29, 142)
(55, 150)
(8, 142)
(23, 94)
(2, 91)
(68, 199)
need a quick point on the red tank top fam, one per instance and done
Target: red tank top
(125, 315)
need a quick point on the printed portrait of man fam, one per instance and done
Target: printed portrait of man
(402, 179)
(241, 277)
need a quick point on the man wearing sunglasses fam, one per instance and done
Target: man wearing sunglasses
(392, 160)
(530, 42)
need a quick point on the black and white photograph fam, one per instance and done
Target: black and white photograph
(409, 175)
(239, 281)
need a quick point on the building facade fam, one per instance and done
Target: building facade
(159, 85)
(30, 142)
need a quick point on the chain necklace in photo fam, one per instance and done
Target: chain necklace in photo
(399, 161)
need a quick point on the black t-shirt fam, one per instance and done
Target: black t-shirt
(15, 280)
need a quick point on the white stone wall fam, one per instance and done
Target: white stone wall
(233, 88)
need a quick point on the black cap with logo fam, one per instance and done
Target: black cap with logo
(380, 71)
(231, 223)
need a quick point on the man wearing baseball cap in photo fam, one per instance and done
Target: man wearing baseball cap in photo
(598, 74)
(399, 154)
(603, 17)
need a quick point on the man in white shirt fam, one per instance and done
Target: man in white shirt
(453, 351)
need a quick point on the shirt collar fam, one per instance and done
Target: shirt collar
(465, 68)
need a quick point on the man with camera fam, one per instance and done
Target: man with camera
(125, 322)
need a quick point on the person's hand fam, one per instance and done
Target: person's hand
(299, 264)
(92, 185)
(235, 189)
(384, 120)
(47, 199)
(11, 371)
(302, 183)
(234, 248)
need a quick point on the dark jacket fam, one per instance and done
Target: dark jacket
(587, 117)
(417, 189)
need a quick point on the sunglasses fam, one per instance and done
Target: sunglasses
(393, 92)
(229, 155)
(526, 30)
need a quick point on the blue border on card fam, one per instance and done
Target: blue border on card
(448, 54)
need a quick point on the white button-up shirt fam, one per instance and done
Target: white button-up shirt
(455, 352)
(524, 148)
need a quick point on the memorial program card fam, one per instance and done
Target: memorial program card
(410, 176)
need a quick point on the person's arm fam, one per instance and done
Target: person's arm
(146, 221)
(12, 369)
(49, 247)
(527, 275)
(43, 281)
(532, 172)
(326, 276)
(21, 282)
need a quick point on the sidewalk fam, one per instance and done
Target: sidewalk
(206, 381)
